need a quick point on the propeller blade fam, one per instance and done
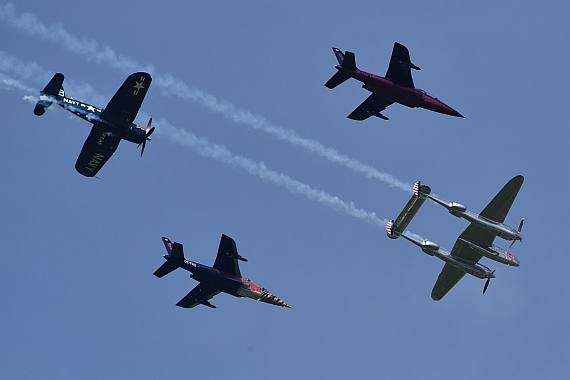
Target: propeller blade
(521, 225)
(150, 133)
(512, 244)
(486, 284)
(488, 281)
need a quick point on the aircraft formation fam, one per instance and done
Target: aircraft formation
(116, 122)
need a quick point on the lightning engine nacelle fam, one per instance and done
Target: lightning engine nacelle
(429, 247)
(455, 207)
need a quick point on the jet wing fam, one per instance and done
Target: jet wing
(226, 260)
(98, 148)
(399, 70)
(199, 295)
(372, 106)
(125, 104)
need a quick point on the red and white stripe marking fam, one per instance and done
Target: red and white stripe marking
(417, 189)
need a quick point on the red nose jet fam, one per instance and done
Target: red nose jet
(396, 87)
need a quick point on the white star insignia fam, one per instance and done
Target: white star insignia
(138, 86)
(90, 108)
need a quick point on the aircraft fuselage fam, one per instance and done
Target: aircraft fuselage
(408, 96)
(433, 249)
(224, 282)
(130, 132)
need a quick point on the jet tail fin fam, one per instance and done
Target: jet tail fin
(175, 254)
(348, 62)
(53, 89)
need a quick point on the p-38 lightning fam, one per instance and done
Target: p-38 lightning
(224, 276)
(473, 244)
(396, 87)
(110, 125)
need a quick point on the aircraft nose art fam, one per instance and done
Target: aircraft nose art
(268, 297)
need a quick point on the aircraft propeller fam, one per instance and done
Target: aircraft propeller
(487, 282)
(148, 132)
(520, 229)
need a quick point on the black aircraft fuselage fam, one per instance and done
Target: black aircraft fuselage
(225, 276)
(126, 131)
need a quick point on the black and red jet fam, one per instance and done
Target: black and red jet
(224, 276)
(396, 87)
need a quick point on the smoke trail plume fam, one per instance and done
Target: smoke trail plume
(92, 51)
(220, 153)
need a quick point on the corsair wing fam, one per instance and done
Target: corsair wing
(125, 104)
(372, 106)
(199, 295)
(97, 149)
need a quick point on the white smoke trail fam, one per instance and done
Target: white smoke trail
(220, 153)
(9, 83)
(92, 51)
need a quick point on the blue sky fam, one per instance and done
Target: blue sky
(77, 292)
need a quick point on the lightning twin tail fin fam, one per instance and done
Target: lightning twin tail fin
(395, 229)
(53, 89)
(174, 255)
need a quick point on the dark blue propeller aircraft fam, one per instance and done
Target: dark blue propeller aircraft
(224, 276)
(110, 125)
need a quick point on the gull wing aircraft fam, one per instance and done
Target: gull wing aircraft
(474, 243)
(224, 276)
(110, 125)
(396, 87)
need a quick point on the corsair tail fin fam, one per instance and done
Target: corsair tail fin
(52, 90)
(173, 257)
